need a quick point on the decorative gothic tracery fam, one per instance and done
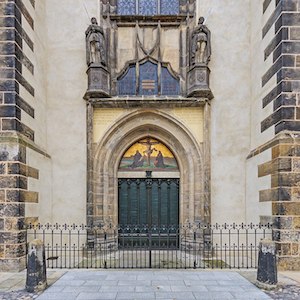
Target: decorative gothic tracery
(150, 80)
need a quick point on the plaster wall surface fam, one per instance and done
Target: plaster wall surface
(258, 68)
(190, 117)
(66, 110)
(230, 109)
(42, 185)
(230, 25)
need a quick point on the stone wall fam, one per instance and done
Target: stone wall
(16, 135)
(279, 126)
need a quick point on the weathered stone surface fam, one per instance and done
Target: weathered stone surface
(15, 251)
(267, 267)
(2, 247)
(285, 179)
(286, 150)
(296, 223)
(14, 224)
(22, 169)
(276, 165)
(295, 196)
(98, 82)
(12, 152)
(31, 221)
(286, 208)
(295, 249)
(22, 196)
(12, 210)
(284, 248)
(276, 194)
(13, 237)
(298, 61)
(2, 196)
(283, 222)
(36, 279)
(198, 82)
(13, 182)
(13, 264)
(15, 125)
(288, 263)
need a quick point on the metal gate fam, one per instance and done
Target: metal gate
(132, 246)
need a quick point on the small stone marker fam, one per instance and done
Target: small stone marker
(36, 267)
(267, 266)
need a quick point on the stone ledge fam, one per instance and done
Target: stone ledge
(284, 137)
(15, 137)
(149, 102)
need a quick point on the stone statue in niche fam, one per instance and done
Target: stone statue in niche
(95, 44)
(201, 44)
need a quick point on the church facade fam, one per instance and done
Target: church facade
(149, 112)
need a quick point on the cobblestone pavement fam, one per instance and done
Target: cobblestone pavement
(19, 295)
(286, 292)
(288, 288)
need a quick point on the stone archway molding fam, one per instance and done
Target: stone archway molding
(127, 130)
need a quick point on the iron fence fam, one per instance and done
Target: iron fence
(132, 246)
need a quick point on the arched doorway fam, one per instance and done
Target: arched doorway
(193, 193)
(148, 185)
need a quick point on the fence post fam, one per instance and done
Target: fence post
(36, 279)
(267, 266)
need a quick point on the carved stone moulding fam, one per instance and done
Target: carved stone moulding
(198, 82)
(98, 82)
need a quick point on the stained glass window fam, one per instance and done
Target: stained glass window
(148, 7)
(169, 84)
(169, 7)
(126, 7)
(148, 81)
(148, 84)
(127, 84)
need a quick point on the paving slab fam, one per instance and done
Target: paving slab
(152, 284)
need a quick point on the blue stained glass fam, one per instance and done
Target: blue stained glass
(127, 85)
(148, 7)
(126, 7)
(169, 7)
(169, 84)
(148, 84)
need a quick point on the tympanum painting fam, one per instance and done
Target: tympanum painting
(148, 154)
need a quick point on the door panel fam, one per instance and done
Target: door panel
(148, 202)
(148, 213)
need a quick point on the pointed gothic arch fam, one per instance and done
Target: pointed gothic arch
(103, 196)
